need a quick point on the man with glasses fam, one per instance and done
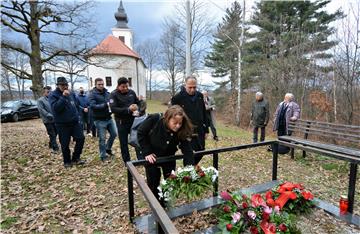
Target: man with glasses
(65, 108)
(99, 99)
(48, 119)
(124, 104)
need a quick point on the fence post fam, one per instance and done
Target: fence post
(275, 149)
(130, 196)
(306, 136)
(216, 165)
(351, 189)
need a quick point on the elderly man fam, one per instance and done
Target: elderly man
(65, 107)
(288, 110)
(48, 118)
(192, 101)
(259, 116)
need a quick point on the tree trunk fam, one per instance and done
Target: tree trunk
(8, 84)
(150, 71)
(35, 58)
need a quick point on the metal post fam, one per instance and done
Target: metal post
(292, 153)
(306, 136)
(275, 149)
(130, 196)
(159, 229)
(351, 189)
(216, 165)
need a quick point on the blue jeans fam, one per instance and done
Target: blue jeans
(102, 126)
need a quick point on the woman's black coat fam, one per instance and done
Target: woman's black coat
(155, 138)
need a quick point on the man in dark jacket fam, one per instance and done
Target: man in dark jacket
(99, 99)
(48, 118)
(259, 116)
(123, 103)
(64, 105)
(192, 101)
(84, 110)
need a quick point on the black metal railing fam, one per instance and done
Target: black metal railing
(164, 223)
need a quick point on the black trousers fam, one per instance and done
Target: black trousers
(153, 176)
(66, 131)
(52, 132)
(255, 134)
(198, 144)
(123, 133)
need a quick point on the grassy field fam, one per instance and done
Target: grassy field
(39, 195)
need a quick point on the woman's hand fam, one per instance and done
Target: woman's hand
(151, 158)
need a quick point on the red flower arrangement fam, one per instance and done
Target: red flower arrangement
(274, 214)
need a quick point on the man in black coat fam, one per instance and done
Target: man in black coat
(65, 108)
(124, 104)
(192, 101)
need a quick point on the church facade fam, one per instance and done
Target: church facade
(114, 57)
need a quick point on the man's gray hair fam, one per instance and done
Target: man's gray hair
(259, 94)
(190, 77)
(290, 96)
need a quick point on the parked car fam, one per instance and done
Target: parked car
(19, 109)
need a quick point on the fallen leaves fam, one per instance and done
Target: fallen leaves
(39, 195)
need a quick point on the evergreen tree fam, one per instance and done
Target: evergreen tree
(223, 58)
(291, 40)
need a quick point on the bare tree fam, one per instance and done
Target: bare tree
(347, 64)
(201, 29)
(6, 83)
(42, 22)
(170, 58)
(149, 51)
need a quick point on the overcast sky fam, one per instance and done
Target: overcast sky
(146, 17)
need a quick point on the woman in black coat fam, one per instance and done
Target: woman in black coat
(161, 137)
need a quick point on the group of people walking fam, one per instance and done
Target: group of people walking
(184, 125)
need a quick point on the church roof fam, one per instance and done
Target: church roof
(113, 46)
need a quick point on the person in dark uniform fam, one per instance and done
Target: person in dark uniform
(65, 108)
(124, 104)
(161, 137)
(192, 101)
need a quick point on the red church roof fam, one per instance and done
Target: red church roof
(113, 46)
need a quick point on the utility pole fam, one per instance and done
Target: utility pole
(188, 39)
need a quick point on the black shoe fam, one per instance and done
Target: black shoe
(79, 162)
(67, 165)
(269, 148)
(216, 138)
(109, 152)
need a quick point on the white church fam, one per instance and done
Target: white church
(114, 57)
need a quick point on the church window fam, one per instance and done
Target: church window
(122, 38)
(130, 81)
(108, 81)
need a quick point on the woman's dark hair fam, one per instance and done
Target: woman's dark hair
(186, 128)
